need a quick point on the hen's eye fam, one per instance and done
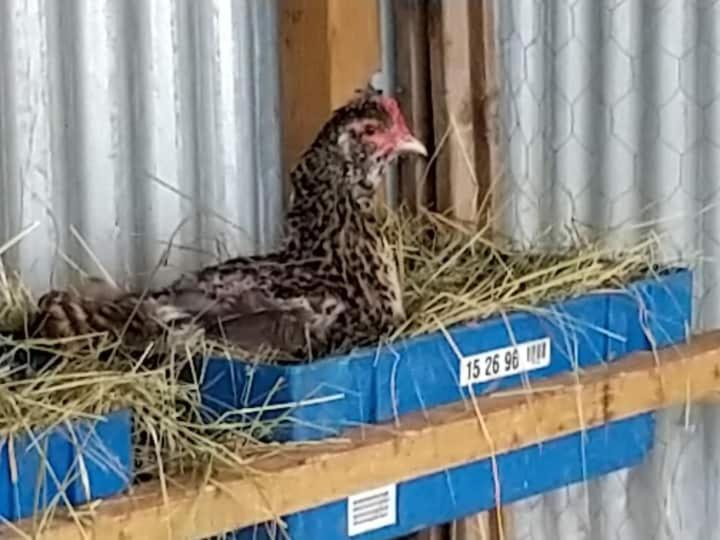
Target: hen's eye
(370, 130)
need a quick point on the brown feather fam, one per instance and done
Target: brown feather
(285, 331)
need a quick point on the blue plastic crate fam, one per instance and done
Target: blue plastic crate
(373, 384)
(376, 384)
(653, 312)
(49, 463)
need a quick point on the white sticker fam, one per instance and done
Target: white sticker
(503, 362)
(371, 510)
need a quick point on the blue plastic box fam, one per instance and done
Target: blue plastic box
(49, 464)
(652, 313)
(373, 385)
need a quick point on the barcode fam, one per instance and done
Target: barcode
(371, 510)
(537, 352)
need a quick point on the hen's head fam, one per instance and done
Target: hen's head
(361, 139)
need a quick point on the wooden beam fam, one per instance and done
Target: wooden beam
(463, 79)
(438, 532)
(329, 48)
(445, 68)
(421, 444)
(354, 45)
(464, 82)
(305, 73)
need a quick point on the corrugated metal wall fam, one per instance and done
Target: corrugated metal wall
(126, 120)
(121, 119)
(611, 115)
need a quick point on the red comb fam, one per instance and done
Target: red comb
(393, 109)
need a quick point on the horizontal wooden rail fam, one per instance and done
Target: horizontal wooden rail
(416, 445)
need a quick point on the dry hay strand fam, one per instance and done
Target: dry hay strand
(453, 273)
(16, 302)
(79, 385)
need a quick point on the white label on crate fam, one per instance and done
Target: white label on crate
(503, 362)
(371, 510)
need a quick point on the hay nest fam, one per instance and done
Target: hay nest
(450, 273)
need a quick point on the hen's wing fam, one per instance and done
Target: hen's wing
(256, 318)
(285, 331)
(249, 301)
(288, 306)
(248, 304)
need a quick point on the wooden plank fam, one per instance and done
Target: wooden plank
(500, 523)
(462, 70)
(452, 114)
(485, 81)
(329, 49)
(305, 73)
(354, 46)
(421, 444)
(439, 532)
(477, 527)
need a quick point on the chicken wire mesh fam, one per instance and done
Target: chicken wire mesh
(609, 117)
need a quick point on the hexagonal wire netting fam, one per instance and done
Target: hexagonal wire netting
(609, 116)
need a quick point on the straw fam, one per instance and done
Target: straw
(450, 273)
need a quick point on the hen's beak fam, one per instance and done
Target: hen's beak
(410, 145)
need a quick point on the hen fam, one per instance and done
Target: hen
(333, 282)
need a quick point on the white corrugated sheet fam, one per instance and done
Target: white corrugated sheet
(611, 115)
(125, 124)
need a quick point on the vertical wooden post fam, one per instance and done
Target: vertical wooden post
(354, 44)
(413, 91)
(461, 64)
(463, 84)
(305, 74)
(441, 532)
(329, 49)
(501, 524)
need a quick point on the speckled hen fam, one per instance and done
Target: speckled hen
(333, 282)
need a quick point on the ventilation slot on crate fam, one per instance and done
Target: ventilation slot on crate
(371, 510)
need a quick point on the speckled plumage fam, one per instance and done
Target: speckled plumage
(331, 284)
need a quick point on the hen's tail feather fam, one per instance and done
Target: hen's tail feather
(79, 322)
(132, 318)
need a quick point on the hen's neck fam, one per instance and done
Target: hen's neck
(330, 211)
(332, 220)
